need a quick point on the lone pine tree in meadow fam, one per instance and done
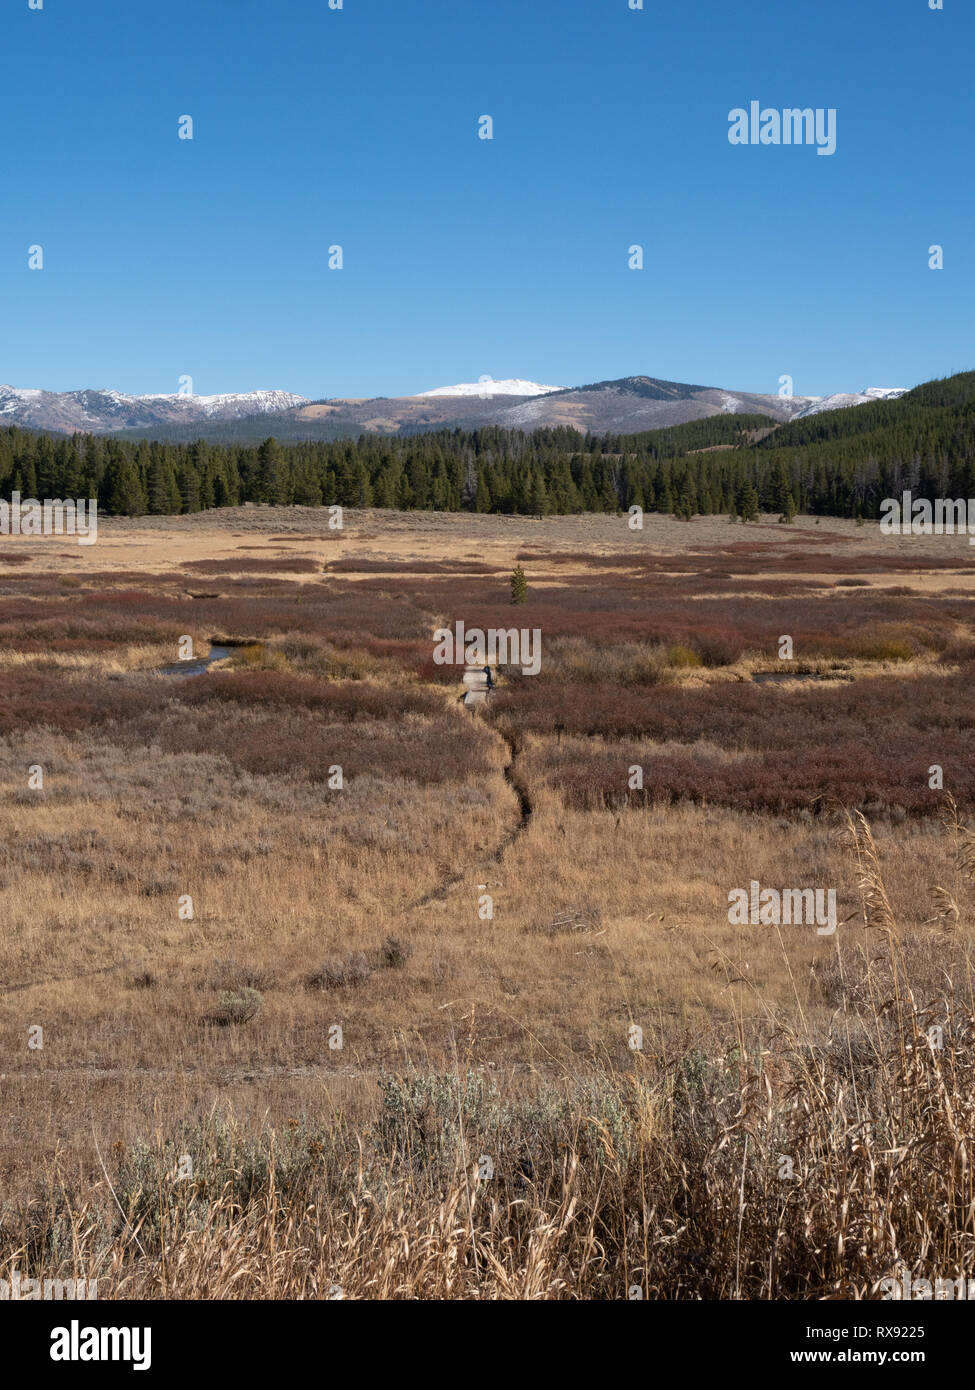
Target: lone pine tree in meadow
(519, 585)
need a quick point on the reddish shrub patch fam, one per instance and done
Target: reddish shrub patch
(252, 566)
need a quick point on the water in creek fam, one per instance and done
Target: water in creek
(774, 677)
(197, 665)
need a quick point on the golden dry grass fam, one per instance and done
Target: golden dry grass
(602, 919)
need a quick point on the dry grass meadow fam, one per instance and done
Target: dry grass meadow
(487, 1127)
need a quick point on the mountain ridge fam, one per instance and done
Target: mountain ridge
(105, 410)
(621, 405)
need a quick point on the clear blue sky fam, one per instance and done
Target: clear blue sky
(465, 257)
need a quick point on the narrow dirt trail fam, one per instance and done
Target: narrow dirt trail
(515, 781)
(526, 809)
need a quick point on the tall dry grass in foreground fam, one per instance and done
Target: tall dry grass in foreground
(798, 1165)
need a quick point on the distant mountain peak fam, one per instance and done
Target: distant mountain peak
(107, 409)
(514, 386)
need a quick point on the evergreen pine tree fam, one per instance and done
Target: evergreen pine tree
(271, 473)
(121, 492)
(189, 488)
(748, 503)
(307, 488)
(158, 486)
(539, 497)
(687, 501)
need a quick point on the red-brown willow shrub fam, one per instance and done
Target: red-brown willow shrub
(864, 743)
(252, 565)
(338, 700)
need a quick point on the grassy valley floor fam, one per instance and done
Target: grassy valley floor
(342, 986)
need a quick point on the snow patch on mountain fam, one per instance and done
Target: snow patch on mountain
(110, 409)
(13, 396)
(843, 400)
(237, 403)
(512, 387)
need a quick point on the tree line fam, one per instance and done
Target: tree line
(839, 463)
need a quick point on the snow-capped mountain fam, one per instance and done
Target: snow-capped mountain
(229, 406)
(102, 411)
(842, 400)
(489, 387)
(621, 406)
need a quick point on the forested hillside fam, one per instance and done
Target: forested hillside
(842, 462)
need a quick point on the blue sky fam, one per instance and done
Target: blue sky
(465, 257)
